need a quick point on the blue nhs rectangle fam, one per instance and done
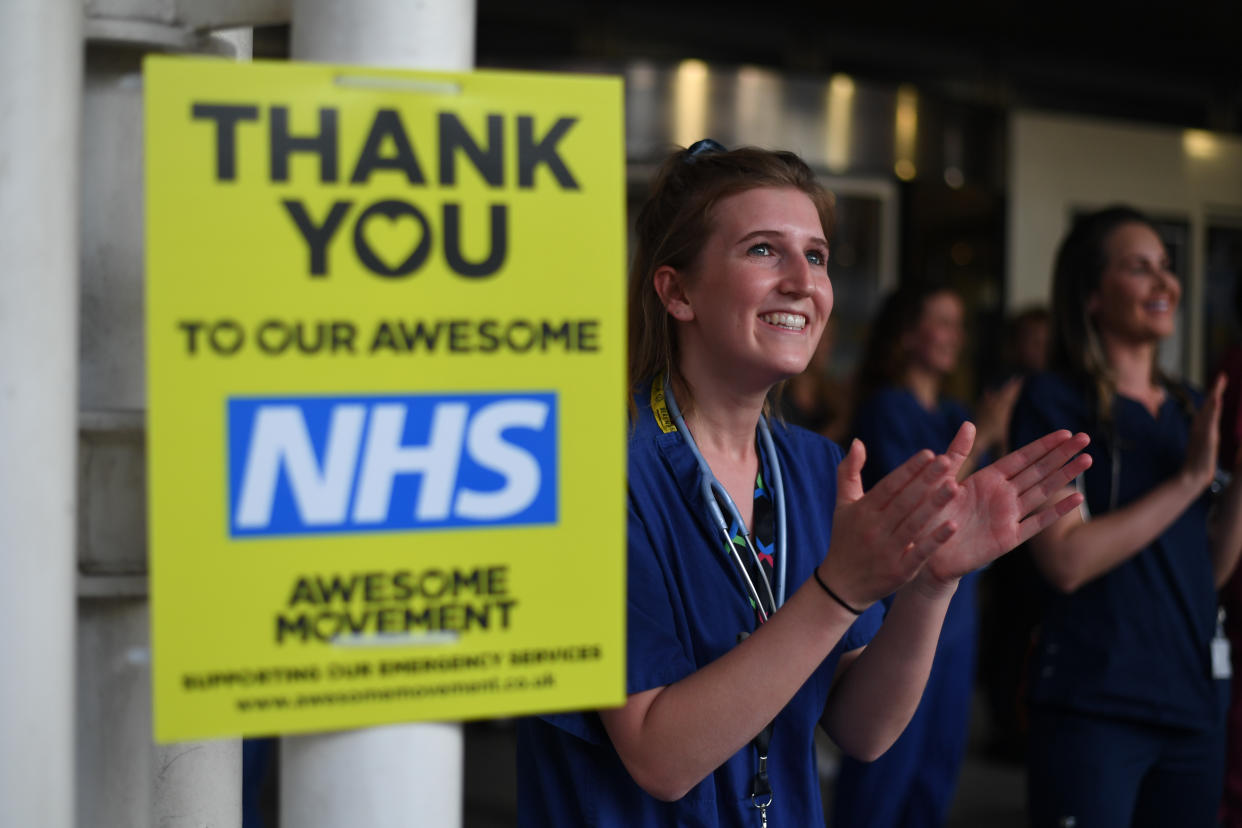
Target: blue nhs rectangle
(302, 465)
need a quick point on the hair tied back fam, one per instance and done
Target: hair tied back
(702, 147)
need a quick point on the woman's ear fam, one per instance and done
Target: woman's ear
(672, 292)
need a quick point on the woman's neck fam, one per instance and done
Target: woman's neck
(924, 385)
(1133, 365)
(722, 424)
(722, 419)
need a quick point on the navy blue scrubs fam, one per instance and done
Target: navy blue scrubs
(912, 784)
(1127, 720)
(686, 606)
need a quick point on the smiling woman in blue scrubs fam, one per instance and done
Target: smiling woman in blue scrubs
(1127, 682)
(746, 629)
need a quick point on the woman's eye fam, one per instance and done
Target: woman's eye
(1143, 267)
(762, 249)
(817, 257)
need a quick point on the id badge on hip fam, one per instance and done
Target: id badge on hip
(1222, 665)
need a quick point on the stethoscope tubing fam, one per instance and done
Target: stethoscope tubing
(710, 487)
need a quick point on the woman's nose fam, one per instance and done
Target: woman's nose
(799, 277)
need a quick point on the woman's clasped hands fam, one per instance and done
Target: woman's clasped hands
(919, 521)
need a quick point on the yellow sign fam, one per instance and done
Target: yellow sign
(385, 354)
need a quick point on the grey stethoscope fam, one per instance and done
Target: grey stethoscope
(713, 492)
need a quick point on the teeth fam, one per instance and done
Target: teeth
(793, 321)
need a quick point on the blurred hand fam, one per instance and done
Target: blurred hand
(993, 412)
(1204, 439)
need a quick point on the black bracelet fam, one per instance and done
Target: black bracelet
(832, 594)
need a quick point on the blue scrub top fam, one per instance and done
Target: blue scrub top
(1135, 642)
(686, 606)
(894, 426)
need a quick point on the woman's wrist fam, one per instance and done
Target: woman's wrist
(988, 432)
(1193, 481)
(831, 593)
(931, 588)
(837, 591)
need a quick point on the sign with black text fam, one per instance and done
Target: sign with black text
(385, 346)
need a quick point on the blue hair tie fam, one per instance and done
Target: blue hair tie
(704, 146)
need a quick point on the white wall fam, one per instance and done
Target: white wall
(1059, 163)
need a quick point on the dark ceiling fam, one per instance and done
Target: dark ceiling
(1163, 62)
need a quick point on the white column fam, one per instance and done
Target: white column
(40, 96)
(197, 785)
(123, 778)
(386, 777)
(429, 34)
(401, 775)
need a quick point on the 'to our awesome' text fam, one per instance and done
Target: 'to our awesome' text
(278, 337)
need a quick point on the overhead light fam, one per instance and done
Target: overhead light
(840, 114)
(905, 131)
(1199, 143)
(758, 109)
(690, 102)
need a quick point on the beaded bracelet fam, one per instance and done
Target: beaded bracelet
(832, 594)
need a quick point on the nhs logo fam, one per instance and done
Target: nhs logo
(301, 465)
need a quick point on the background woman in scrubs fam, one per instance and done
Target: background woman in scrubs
(1127, 696)
(729, 294)
(1231, 593)
(913, 346)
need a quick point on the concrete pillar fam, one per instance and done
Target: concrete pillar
(124, 779)
(386, 777)
(402, 775)
(430, 34)
(198, 784)
(40, 94)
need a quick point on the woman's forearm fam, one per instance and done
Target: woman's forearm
(1074, 552)
(670, 738)
(1226, 532)
(876, 697)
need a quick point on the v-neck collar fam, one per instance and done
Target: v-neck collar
(1161, 412)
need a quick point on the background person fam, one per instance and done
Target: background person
(1026, 342)
(1012, 594)
(1126, 707)
(1231, 592)
(815, 399)
(726, 678)
(913, 346)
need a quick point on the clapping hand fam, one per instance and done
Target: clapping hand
(1204, 440)
(1004, 504)
(918, 515)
